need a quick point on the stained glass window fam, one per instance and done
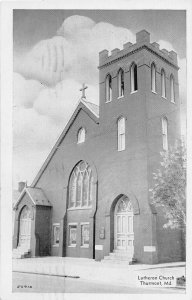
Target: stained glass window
(85, 235)
(124, 205)
(72, 235)
(81, 186)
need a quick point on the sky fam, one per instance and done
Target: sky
(55, 51)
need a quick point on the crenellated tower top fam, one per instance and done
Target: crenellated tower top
(142, 41)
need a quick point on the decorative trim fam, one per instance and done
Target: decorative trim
(136, 50)
(133, 92)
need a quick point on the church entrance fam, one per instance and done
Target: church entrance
(124, 235)
(25, 227)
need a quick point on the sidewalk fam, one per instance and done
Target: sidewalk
(88, 269)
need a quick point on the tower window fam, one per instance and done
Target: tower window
(163, 84)
(121, 134)
(108, 88)
(81, 136)
(165, 133)
(120, 83)
(153, 78)
(172, 87)
(134, 83)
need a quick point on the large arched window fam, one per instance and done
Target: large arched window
(81, 135)
(153, 78)
(81, 186)
(172, 87)
(165, 133)
(121, 134)
(163, 84)
(108, 88)
(120, 83)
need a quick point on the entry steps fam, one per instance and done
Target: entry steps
(21, 252)
(119, 257)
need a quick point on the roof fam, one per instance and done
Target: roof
(92, 111)
(36, 195)
(93, 107)
(15, 196)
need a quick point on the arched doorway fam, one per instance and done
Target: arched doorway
(123, 226)
(25, 227)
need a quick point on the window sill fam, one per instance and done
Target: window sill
(154, 92)
(134, 92)
(108, 101)
(86, 247)
(164, 97)
(80, 142)
(173, 102)
(77, 208)
(120, 97)
(120, 150)
(72, 246)
(55, 245)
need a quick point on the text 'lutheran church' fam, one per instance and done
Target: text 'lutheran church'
(91, 196)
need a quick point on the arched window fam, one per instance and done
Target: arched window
(108, 88)
(134, 84)
(172, 87)
(121, 134)
(81, 186)
(81, 136)
(165, 133)
(163, 84)
(120, 83)
(153, 78)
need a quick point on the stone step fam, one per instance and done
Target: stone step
(120, 254)
(116, 261)
(21, 252)
(119, 251)
(118, 258)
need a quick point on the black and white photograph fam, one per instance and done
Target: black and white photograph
(99, 151)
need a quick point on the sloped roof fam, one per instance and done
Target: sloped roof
(36, 195)
(15, 196)
(92, 106)
(92, 111)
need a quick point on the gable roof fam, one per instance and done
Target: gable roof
(91, 109)
(36, 195)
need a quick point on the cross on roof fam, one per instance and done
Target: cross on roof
(83, 90)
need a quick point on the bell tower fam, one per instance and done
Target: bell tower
(141, 82)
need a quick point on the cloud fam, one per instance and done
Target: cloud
(59, 102)
(73, 53)
(25, 91)
(47, 80)
(45, 61)
(72, 25)
(166, 45)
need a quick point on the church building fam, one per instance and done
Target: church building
(91, 196)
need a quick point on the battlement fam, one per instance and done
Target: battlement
(142, 40)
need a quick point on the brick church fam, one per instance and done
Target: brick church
(91, 196)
